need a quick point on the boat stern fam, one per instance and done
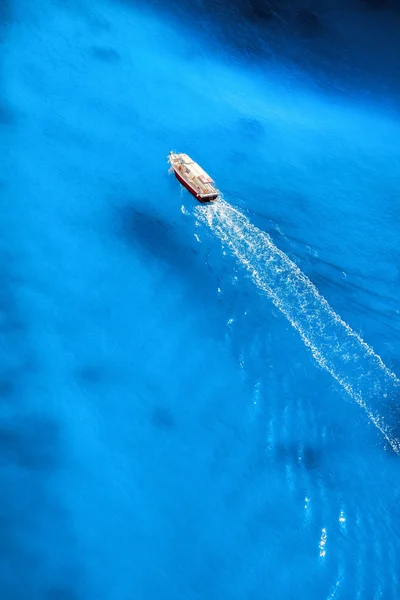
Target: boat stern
(207, 197)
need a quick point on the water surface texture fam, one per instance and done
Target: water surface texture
(199, 401)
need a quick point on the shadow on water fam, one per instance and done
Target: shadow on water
(158, 239)
(163, 243)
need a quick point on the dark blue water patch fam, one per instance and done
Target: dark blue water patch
(5, 13)
(298, 454)
(251, 128)
(151, 232)
(308, 23)
(263, 460)
(7, 116)
(163, 418)
(379, 4)
(29, 443)
(7, 388)
(260, 10)
(34, 523)
(18, 361)
(64, 592)
(90, 374)
(310, 37)
(106, 55)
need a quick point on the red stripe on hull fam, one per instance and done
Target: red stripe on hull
(192, 190)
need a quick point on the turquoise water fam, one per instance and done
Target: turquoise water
(198, 401)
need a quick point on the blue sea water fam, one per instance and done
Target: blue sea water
(198, 401)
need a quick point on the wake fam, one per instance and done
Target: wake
(334, 345)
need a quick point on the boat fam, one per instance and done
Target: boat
(192, 176)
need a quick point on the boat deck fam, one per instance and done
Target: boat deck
(199, 182)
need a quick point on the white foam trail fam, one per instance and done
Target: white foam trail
(334, 345)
